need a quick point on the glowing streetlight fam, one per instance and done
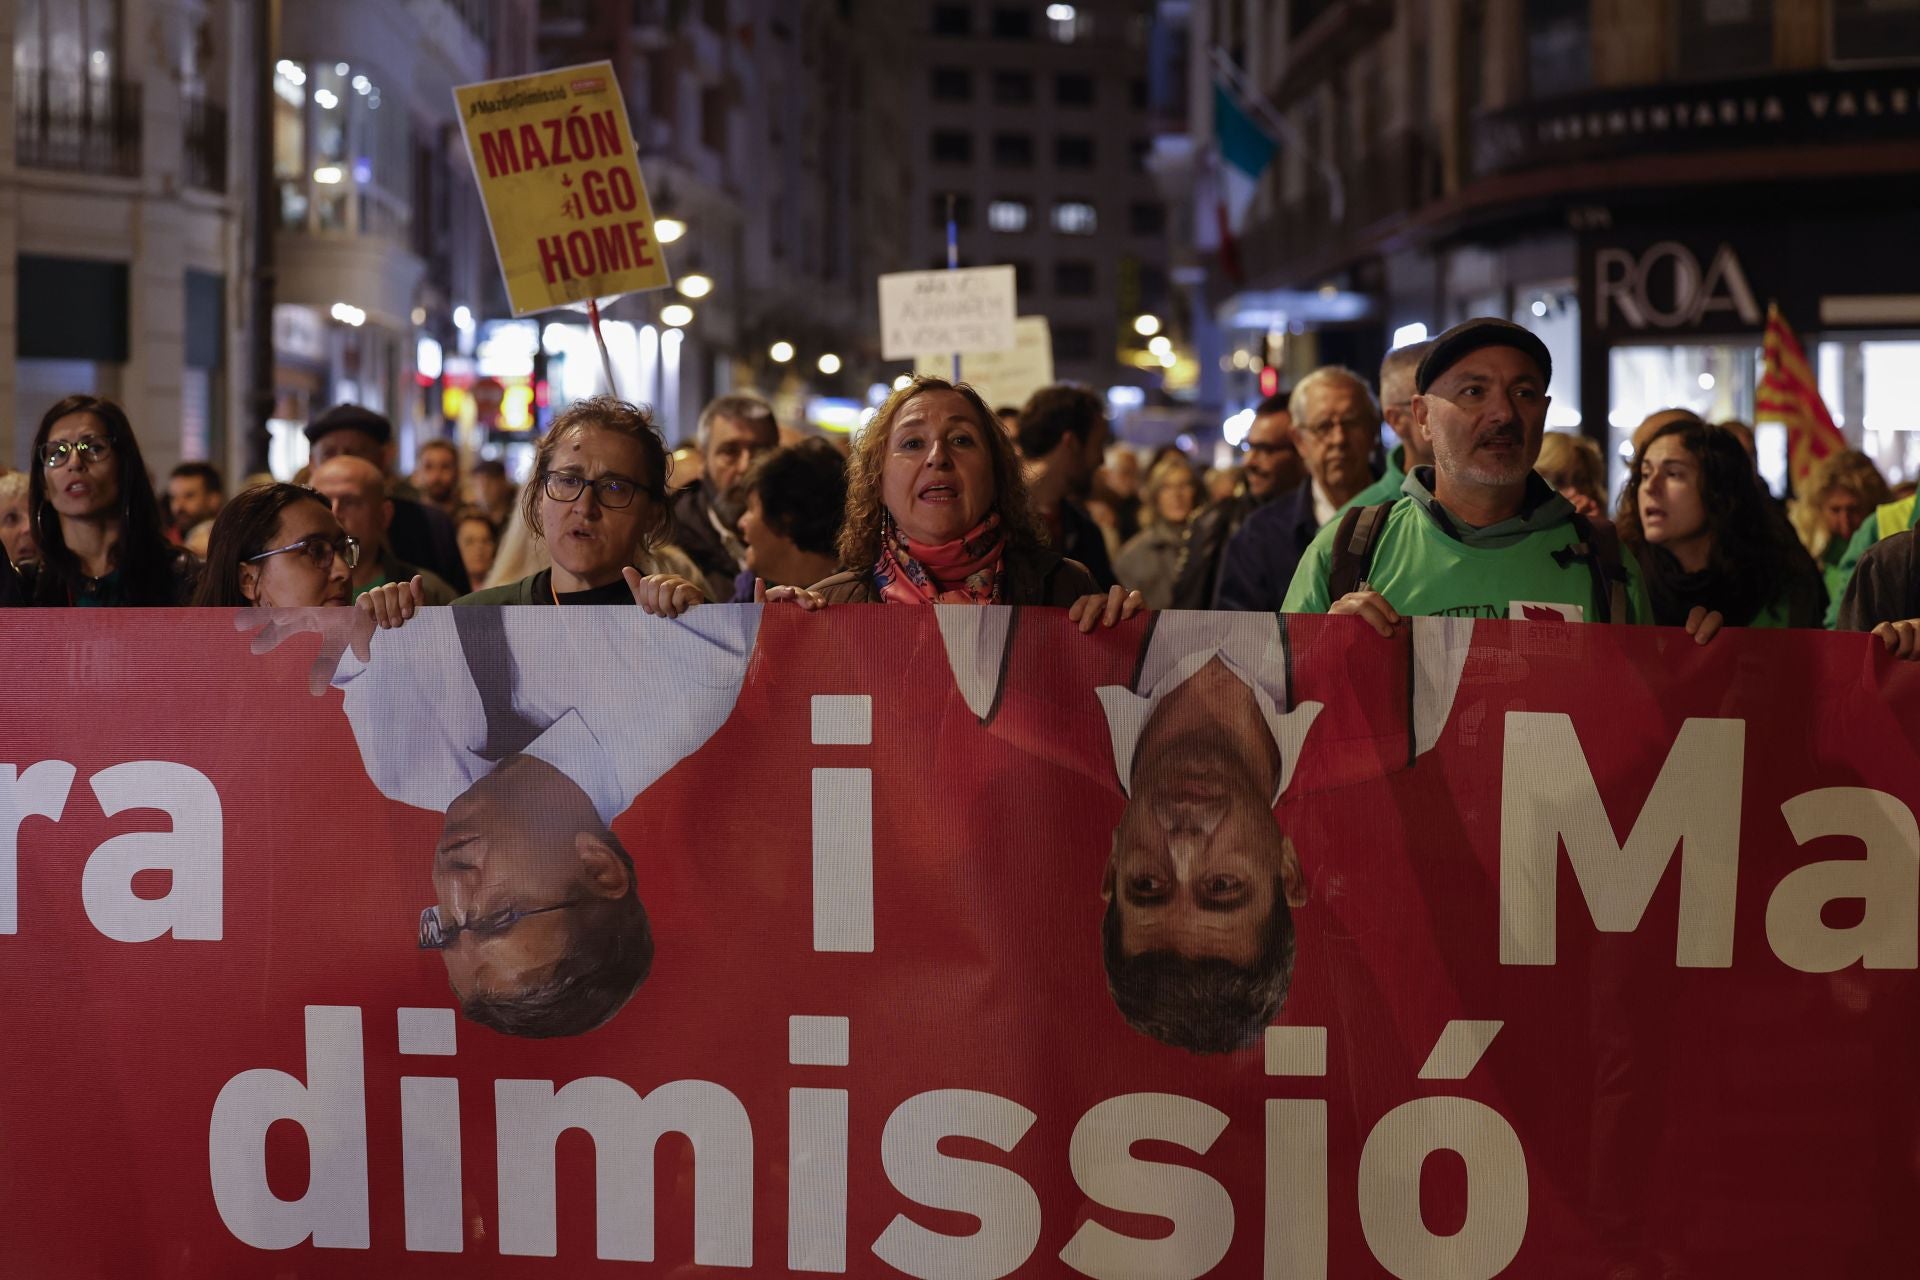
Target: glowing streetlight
(1146, 326)
(780, 352)
(829, 363)
(676, 315)
(327, 174)
(667, 230)
(902, 382)
(694, 286)
(1161, 346)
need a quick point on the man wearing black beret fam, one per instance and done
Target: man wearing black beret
(1477, 534)
(419, 534)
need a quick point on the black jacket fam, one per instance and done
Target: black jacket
(1258, 565)
(694, 532)
(1081, 539)
(1886, 586)
(424, 536)
(1196, 580)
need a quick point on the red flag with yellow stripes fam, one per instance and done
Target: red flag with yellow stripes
(1788, 393)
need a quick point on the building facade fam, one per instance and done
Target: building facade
(1636, 181)
(768, 135)
(122, 225)
(1032, 121)
(382, 263)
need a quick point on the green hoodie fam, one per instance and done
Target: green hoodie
(1387, 487)
(1429, 564)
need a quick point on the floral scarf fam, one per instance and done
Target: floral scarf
(968, 570)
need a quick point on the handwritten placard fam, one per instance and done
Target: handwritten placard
(967, 310)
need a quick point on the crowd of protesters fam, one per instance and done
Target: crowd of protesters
(1470, 507)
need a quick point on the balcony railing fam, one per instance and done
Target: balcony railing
(75, 123)
(204, 134)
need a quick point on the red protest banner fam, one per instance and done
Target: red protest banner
(963, 948)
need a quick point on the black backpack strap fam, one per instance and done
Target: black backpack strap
(1599, 546)
(1353, 545)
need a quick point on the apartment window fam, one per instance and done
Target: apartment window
(1873, 31)
(1013, 150)
(1073, 151)
(1075, 218)
(1012, 24)
(1073, 91)
(1138, 93)
(1067, 23)
(1146, 218)
(1559, 46)
(962, 211)
(1072, 342)
(1012, 88)
(1723, 37)
(1008, 215)
(1022, 275)
(952, 20)
(1138, 151)
(952, 146)
(952, 84)
(1073, 279)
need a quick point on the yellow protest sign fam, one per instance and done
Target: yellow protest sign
(565, 200)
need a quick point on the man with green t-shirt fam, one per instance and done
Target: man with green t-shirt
(1477, 534)
(1396, 406)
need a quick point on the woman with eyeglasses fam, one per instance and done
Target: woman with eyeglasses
(277, 546)
(96, 517)
(599, 500)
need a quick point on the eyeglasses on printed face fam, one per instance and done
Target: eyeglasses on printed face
(612, 492)
(437, 932)
(321, 550)
(56, 453)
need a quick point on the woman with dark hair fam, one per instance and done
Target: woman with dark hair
(598, 499)
(937, 513)
(94, 512)
(1710, 551)
(796, 499)
(277, 546)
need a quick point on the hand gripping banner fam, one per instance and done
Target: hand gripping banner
(953, 943)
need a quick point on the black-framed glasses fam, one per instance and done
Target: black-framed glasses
(55, 453)
(320, 549)
(612, 492)
(437, 933)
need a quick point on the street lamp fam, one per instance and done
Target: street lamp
(694, 286)
(1146, 326)
(829, 363)
(667, 230)
(1161, 346)
(676, 315)
(780, 352)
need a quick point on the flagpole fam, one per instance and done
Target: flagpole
(953, 260)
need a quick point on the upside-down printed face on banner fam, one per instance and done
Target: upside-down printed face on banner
(952, 942)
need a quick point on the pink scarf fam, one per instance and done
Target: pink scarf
(967, 570)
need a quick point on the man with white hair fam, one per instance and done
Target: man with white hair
(733, 431)
(1336, 422)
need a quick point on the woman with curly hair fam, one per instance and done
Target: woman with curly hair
(1696, 517)
(937, 513)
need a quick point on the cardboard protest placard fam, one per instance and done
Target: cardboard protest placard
(565, 201)
(1001, 377)
(966, 310)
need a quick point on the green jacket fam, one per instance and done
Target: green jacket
(1886, 520)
